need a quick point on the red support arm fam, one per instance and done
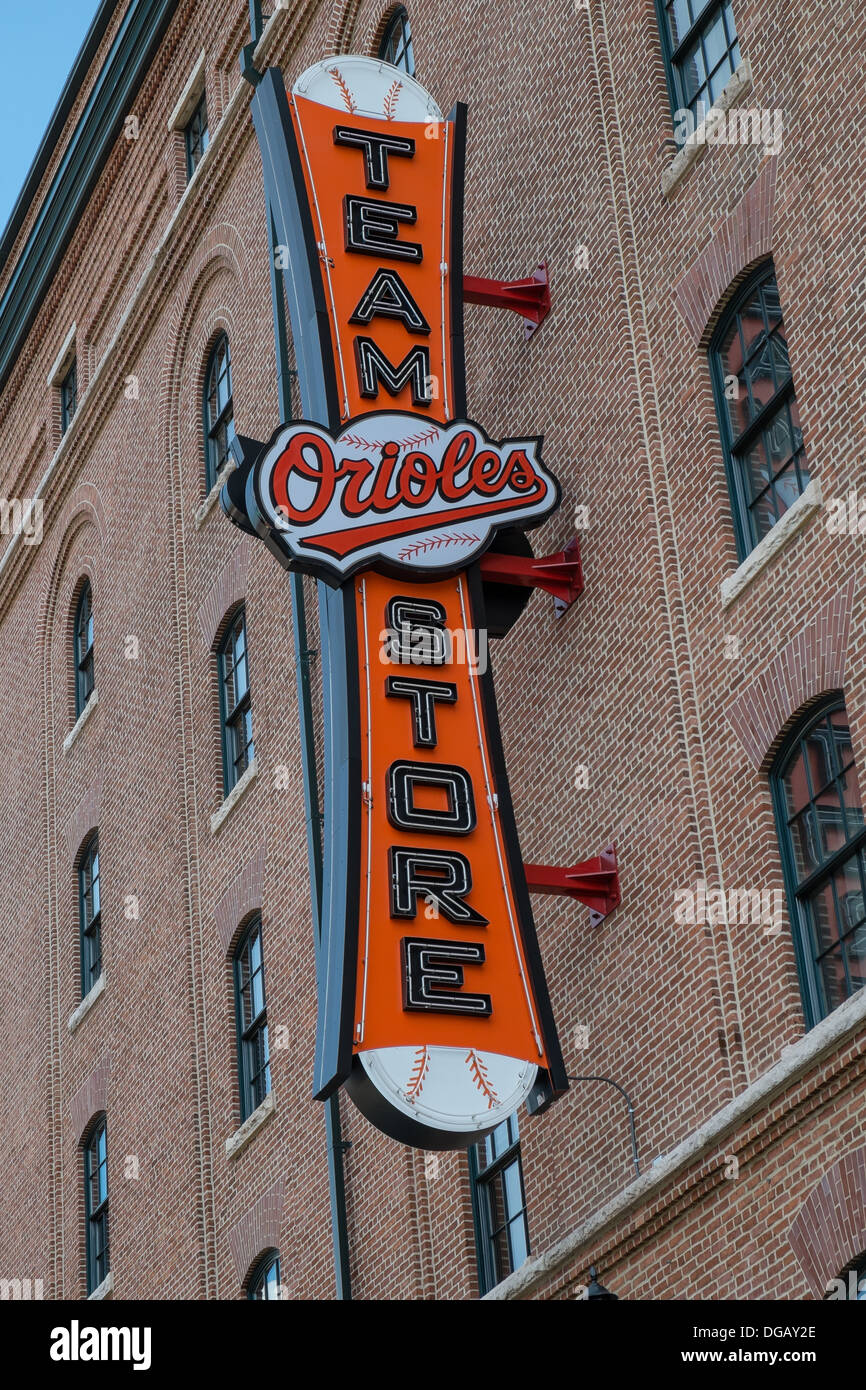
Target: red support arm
(560, 574)
(595, 883)
(530, 297)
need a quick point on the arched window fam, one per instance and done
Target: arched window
(265, 1279)
(90, 916)
(83, 644)
(96, 1205)
(396, 45)
(235, 709)
(758, 417)
(820, 819)
(254, 1067)
(219, 417)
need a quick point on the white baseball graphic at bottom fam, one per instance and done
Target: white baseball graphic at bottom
(452, 1088)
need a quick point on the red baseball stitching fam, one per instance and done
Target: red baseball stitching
(436, 542)
(345, 91)
(482, 1080)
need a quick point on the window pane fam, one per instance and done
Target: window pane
(715, 42)
(693, 74)
(856, 949)
(513, 1189)
(720, 79)
(757, 469)
(518, 1242)
(833, 981)
(679, 20)
(804, 841)
(763, 514)
(797, 790)
(822, 908)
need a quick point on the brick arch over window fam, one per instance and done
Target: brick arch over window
(743, 240)
(229, 590)
(90, 1100)
(201, 310)
(84, 820)
(810, 666)
(379, 28)
(257, 1231)
(81, 536)
(341, 26)
(243, 898)
(830, 1228)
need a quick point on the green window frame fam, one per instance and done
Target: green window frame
(757, 410)
(264, 1283)
(218, 410)
(69, 396)
(820, 823)
(499, 1204)
(96, 1205)
(85, 674)
(236, 716)
(251, 1013)
(396, 46)
(196, 136)
(90, 915)
(701, 51)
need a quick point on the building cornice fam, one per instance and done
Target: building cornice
(284, 31)
(114, 90)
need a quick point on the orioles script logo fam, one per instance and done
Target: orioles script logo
(397, 490)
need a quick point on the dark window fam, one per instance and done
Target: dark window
(96, 1206)
(90, 916)
(757, 407)
(396, 46)
(84, 674)
(699, 41)
(254, 1069)
(237, 716)
(265, 1282)
(499, 1204)
(196, 136)
(219, 415)
(820, 818)
(68, 397)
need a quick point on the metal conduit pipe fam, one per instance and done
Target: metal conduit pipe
(303, 655)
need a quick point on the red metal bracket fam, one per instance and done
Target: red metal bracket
(595, 883)
(530, 297)
(560, 574)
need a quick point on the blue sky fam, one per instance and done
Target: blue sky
(29, 91)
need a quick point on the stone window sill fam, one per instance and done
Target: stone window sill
(696, 146)
(190, 96)
(775, 541)
(77, 1017)
(251, 1126)
(103, 1290)
(219, 818)
(207, 506)
(81, 721)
